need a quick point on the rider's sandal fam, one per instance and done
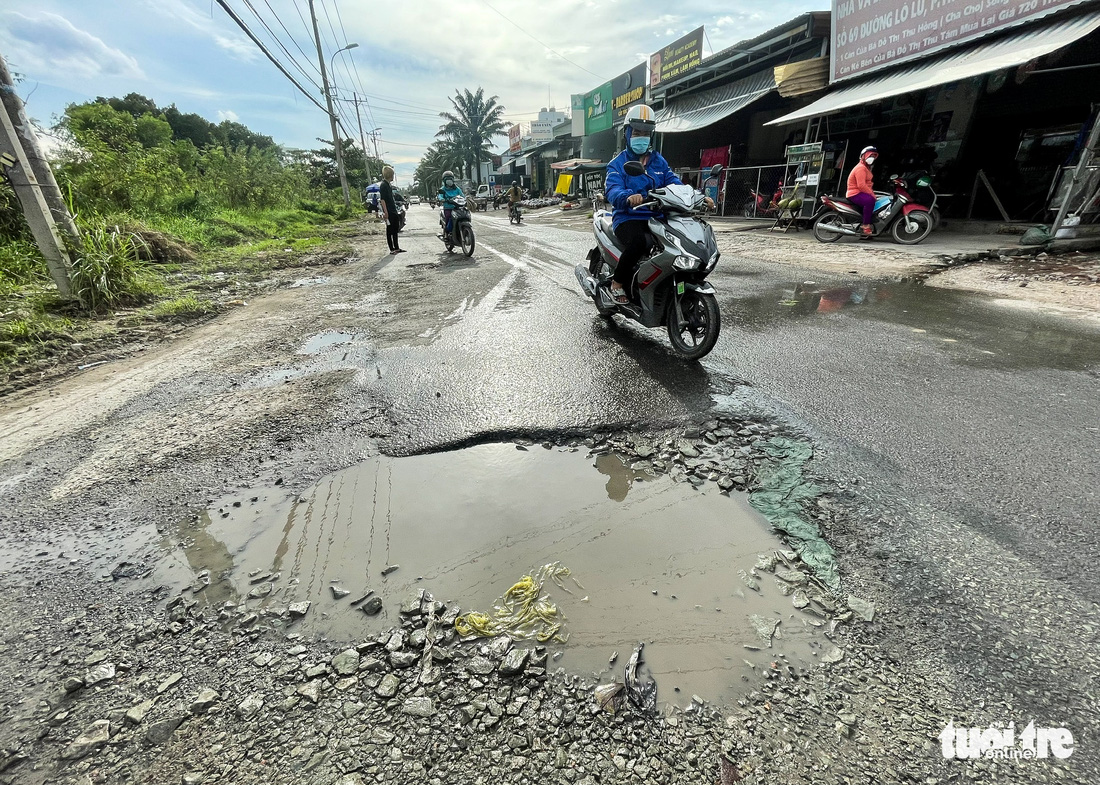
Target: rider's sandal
(620, 297)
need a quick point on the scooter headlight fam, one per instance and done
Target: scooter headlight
(713, 260)
(685, 263)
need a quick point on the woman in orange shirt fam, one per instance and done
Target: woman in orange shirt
(860, 191)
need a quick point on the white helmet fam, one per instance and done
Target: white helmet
(641, 119)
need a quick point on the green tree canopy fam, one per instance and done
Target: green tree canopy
(470, 128)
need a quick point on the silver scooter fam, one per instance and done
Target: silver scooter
(670, 285)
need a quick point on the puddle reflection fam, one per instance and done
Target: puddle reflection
(1003, 337)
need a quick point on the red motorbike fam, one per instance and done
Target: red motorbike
(760, 206)
(897, 214)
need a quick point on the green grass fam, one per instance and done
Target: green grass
(30, 328)
(109, 272)
(186, 306)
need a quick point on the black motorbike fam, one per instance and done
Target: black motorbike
(462, 227)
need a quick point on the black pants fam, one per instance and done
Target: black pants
(391, 234)
(634, 235)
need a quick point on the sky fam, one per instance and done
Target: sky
(411, 56)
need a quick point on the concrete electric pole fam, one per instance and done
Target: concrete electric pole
(34, 185)
(362, 137)
(336, 142)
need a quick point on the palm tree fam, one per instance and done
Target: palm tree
(471, 127)
(438, 158)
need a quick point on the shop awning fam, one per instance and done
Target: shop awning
(1007, 52)
(702, 109)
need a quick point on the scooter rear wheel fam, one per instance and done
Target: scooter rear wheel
(830, 218)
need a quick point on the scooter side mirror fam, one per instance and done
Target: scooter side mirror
(634, 168)
(716, 170)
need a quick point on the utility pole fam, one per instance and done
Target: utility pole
(362, 138)
(22, 160)
(336, 142)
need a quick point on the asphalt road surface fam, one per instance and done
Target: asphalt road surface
(965, 429)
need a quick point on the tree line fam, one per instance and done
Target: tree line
(127, 155)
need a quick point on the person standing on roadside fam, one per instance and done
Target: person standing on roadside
(389, 210)
(861, 192)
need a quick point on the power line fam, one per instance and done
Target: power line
(290, 35)
(271, 57)
(276, 39)
(552, 51)
(340, 19)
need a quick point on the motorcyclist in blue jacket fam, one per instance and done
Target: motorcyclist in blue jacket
(624, 193)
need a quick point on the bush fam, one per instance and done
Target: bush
(108, 269)
(196, 205)
(311, 206)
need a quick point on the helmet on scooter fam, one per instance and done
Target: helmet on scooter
(868, 151)
(638, 127)
(448, 175)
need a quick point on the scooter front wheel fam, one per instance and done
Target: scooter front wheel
(466, 233)
(921, 227)
(694, 336)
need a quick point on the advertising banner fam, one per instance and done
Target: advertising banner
(515, 134)
(870, 34)
(678, 59)
(627, 90)
(593, 182)
(542, 131)
(576, 106)
(597, 109)
(712, 186)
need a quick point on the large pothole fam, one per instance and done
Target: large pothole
(659, 561)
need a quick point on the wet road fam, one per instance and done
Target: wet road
(968, 427)
(986, 411)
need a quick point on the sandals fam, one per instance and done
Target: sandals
(619, 297)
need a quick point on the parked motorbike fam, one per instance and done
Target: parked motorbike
(462, 227)
(670, 285)
(761, 205)
(515, 214)
(897, 214)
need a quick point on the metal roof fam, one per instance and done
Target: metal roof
(1006, 52)
(699, 110)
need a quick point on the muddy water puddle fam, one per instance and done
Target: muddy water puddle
(656, 561)
(998, 336)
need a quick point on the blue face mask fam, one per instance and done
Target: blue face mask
(639, 144)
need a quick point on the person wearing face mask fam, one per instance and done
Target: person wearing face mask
(447, 193)
(860, 190)
(624, 192)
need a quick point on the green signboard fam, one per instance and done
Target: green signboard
(597, 109)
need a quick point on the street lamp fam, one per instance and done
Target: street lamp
(331, 60)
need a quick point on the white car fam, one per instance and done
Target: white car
(414, 199)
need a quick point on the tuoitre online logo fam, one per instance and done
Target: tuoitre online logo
(1001, 742)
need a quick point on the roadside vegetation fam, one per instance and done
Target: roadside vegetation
(178, 218)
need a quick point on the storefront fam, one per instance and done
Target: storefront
(727, 98)
(994, 119)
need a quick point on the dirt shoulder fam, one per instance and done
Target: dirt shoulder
(1067, 284)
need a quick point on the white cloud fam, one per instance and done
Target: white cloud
(228, 114)
(49, 44)
(238, 48)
